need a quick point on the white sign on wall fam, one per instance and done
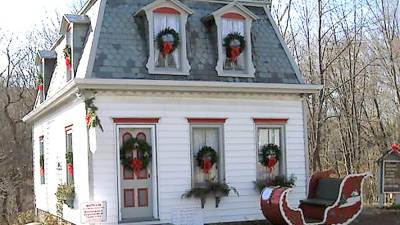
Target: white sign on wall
(93, 212)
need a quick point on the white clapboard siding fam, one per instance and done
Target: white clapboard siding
(173, 151)
(53, 129)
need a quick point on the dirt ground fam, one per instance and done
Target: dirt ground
(369, 216)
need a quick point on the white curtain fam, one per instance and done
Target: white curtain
(233, 26)
(162, 21)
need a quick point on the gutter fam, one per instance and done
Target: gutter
(79, 84)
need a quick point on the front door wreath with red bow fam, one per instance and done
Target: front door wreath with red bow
(234, 44)
(137, 162)
(206, 158)
(167, 41)
(270, 155)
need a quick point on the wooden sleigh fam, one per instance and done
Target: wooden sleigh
(329, 201)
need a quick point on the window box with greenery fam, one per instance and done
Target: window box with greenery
(207, 160)
(65, 195)
(278, 181)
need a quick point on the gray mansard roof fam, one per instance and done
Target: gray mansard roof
(123, 47)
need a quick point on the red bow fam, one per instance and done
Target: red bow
(234, 53)
(68, 63)
(395, 147)
(167, 48)
(137, 165)
(207, 165)
(41, 171)
(88, 119)
(40, 87)
(70, 169)
(271, 163)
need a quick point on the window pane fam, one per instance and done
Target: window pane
(162, 21)
(233, 26)
(205, 137)
(268, 136)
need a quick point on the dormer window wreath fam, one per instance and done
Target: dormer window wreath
(67, 56)
(167, 41)
(39, 82)
(234, 44)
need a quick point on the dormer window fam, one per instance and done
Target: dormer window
(167, 37)
(234, 40)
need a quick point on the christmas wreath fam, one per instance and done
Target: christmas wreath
(206, 158)
(167, 41)
(234, 44)
(143, 158)
(39, 82)
(70, 163)
(270, 155)
(67, 56)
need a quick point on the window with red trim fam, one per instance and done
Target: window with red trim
(42, 170)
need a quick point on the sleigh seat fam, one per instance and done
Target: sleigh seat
(323, 192)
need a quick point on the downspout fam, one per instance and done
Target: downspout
(305, 131)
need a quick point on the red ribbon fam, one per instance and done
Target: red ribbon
(68, 63)
(271, 163)
(234, 53)
(70, 169)
(137, 165)
(88, 119)
(207, 164)
(41, 171)
(40, 87)
(167, 48)
(395, 147)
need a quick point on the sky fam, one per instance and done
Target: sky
(19, 16)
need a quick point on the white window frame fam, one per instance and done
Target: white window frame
(236, 8)
(69, 130)
(184, 12)
(221, 150)
(282, 161)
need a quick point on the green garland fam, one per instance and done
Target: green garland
(206, 151)
(167, 31)
(143, 148)
(231, 37)
(41, 161)
(268, 150)
(92, 120)
(69, 157)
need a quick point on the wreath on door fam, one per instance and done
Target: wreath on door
(143, 158)
(270, 155)
(167, 41)
(206, 158)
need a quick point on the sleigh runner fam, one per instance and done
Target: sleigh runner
(329, 201)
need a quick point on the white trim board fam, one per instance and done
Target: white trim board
(77, 85)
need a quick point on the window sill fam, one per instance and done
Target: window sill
(233, 74)
(169, 72)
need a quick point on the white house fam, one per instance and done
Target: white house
(135, 89)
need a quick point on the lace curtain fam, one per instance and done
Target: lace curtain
(232, 26)
(162, 21)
